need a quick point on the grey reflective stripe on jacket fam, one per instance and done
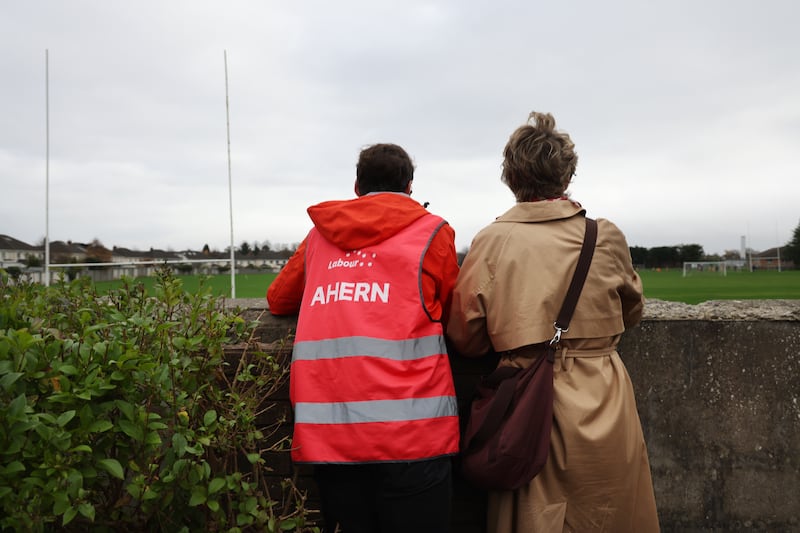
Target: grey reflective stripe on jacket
(398, 350)
(375, 410)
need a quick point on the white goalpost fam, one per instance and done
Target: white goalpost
(46, 275)
(692, 267)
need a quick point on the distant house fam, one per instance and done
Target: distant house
(264, 259)
(125, 255)
(769, 260)
(65, 252)
(215, 259)
(14, 253)
(164, 255)
(97, 253)
(135, 263)
(127, 262)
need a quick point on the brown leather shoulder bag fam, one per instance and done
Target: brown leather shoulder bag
(507, 438)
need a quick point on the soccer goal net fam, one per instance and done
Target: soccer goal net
(705, 267)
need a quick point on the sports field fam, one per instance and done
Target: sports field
(247, 285)
(662, 285)
(703, 286)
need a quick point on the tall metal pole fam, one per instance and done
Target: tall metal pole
(230, 189)
(47, 170)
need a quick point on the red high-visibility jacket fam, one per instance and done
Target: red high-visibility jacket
(370, 378)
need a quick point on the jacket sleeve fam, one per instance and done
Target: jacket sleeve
(631, 294)
(285, 293)
(466, 327)
(439, 273)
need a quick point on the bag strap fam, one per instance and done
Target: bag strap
(576, 285)
(505, 378)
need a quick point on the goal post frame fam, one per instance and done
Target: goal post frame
(722, 266)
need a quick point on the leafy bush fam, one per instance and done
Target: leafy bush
(184, 268)
(120, 413)
(14, 272)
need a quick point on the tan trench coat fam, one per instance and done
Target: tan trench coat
(509, 291)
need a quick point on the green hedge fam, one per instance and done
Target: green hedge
(120, 413)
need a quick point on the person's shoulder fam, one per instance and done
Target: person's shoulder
(609, 233)
(444, 239)
(491, 236)
(604, 224)
(444, 227)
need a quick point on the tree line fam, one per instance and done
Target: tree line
(675, 256)
(667, 256)
(283, 249)
(792, 249)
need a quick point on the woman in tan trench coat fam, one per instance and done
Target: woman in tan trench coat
(508, 293)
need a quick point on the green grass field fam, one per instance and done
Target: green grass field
(700, 287)
(662, 285)
(247, 285)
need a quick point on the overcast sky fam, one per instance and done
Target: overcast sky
(685, 113)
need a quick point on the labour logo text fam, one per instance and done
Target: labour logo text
(353, 259)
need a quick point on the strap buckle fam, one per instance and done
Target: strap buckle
(557, 337)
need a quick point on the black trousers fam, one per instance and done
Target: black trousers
(386, 497)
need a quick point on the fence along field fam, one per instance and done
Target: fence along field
(668, 285)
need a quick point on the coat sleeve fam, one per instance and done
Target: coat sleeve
(439, 273)
(285, 293)
(630, 289)
(466, 325)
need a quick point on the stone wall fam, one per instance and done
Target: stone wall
(718, 391)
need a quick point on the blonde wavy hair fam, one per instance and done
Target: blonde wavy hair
(538, 160)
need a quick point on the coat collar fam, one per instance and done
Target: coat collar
(542, 211)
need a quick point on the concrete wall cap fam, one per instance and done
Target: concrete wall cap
(730, 310)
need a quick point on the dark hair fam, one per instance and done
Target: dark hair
(383, 167)
(539, 161)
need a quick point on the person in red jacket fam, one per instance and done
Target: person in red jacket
(370, 382)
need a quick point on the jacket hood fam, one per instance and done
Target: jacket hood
(366, 220)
